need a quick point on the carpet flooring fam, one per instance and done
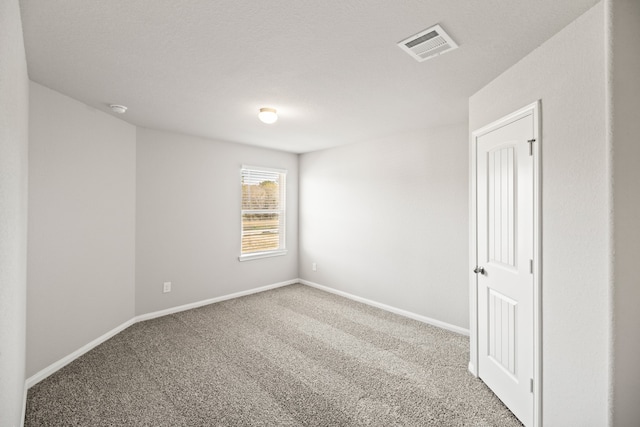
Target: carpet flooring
(292, 356)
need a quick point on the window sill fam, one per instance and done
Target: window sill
(258, 255)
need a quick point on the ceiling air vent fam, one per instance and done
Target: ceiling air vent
(428, 43)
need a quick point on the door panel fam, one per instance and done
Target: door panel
(502, 331)
(504, 250)
(501, 176)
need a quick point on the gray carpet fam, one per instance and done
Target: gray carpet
(293, 356)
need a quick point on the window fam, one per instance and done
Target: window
(263, 212)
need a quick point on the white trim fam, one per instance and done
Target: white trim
(473, 256)
(258, 255)
(24, 404)
(399, 311)
(534, 110)
(54, 367)
(473, 369)
(44, 373)
(197, 304)
(510, 118)
(537, 266)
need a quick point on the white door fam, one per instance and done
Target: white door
(505, 251)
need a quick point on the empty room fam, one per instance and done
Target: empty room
(298, 213)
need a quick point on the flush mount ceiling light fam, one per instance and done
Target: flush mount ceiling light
(268, 115)
(120, 109)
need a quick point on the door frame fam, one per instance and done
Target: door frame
(534, 110)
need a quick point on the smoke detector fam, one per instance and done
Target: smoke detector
(428, 43)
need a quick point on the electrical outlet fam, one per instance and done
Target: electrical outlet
(314, 266)
(166, 287)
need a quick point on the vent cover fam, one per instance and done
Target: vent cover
(428, 43)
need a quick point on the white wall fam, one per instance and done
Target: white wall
(386, 220)
(14, 117)
(81, 225)
(188, 220)
(568, 74)
(624, 114)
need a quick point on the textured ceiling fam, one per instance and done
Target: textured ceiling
(332, 68)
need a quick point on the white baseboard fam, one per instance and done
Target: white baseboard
(386, 307)
(197, 304)
(24, 404)
(44, 373)
(472, 369)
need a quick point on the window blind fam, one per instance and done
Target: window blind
(263, 210)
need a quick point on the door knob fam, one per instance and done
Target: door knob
(480, 270)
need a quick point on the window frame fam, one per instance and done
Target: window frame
(281, 211)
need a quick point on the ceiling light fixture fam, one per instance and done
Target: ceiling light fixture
(268, 115)
(120, 109)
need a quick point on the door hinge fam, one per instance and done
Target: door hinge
(531, 384)
(531, 141)
(531, 266)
